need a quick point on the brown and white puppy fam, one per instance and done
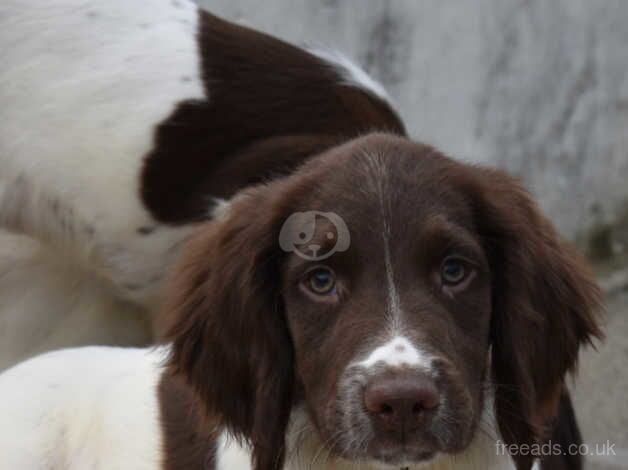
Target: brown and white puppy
(445, 324)
(445, 319)
(386, 345)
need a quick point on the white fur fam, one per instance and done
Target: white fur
(97, 408)
(351, 73)
(82, 86)
(81, 92)
(220, 208)
(397, 352)
(77, 409)
(231, 454)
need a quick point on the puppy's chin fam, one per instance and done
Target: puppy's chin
(395, 461)
(385, 457)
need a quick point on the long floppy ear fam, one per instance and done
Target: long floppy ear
(545, 307)
(229, 338)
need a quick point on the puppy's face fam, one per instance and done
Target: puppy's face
(385, 339)
(391, 336)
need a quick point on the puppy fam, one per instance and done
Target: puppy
(444, 329)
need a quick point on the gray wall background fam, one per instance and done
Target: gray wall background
(537, 87)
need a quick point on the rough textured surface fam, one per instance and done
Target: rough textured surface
(602, 390)
(539, 88)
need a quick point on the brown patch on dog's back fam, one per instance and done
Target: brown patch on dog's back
(270, 107)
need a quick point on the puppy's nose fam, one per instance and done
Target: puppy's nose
(397, 403)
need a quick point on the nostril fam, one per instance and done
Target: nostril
(386, 410)
(426, 398)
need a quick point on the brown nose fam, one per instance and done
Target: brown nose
(397, 403)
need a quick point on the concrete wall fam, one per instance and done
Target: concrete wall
(536, 87)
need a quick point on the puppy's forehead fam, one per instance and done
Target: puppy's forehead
(382, 173)
(381, 162)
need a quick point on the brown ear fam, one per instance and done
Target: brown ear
(545, 306)
(229, 338)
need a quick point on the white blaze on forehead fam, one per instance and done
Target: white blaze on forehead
(394, 304)
(379, 181)
(397, 352)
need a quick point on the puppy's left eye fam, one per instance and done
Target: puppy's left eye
(321, 281)
(453, 271)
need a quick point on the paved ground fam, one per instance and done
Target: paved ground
(601, 391)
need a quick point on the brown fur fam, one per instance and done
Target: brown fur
(189, 439)
(244, 385)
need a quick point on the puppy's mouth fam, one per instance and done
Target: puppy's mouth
(414, 444)
(405, 459)
(388, 455)
(394, 458)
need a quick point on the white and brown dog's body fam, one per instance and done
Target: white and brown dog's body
(120, 128)
(170, 113)
(83, 87)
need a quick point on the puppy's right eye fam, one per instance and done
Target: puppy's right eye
(453, 271)
(320, 281)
